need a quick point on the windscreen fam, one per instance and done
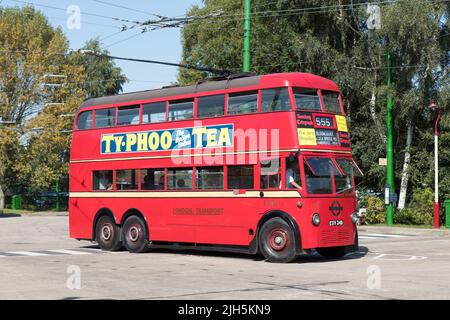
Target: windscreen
(319, 173)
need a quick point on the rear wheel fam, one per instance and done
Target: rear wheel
(135, 235)
(332, 252)
(277, 241)
(107, 234)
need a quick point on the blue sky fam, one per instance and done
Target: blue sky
(164, 44)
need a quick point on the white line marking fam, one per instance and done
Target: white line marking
(28, 253)
(71, 252)
(385, 235)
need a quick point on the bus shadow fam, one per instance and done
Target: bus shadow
(312, 257)
(315, 257)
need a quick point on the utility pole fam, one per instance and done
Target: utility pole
(389, 147)
(435, 107)
(246, 64)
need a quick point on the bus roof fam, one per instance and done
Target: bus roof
(297, 79)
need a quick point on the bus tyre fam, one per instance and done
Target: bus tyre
(135, 235)
(107, 234)
(277, 241)
(332, 252)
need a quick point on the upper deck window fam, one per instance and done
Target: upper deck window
(211, 106)
(307, 99)
(105, 117)
(84, 120)
(275, 100)
(154, 112)
(181, 110)
(331, 101)
(128, 115)
(243, 102)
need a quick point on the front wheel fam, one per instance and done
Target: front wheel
(332, 252)
(277, 241)
(135, 235)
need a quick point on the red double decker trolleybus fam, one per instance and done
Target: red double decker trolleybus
(256, 164)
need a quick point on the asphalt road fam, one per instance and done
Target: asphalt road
(39, 261)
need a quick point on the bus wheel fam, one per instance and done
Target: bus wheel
(276, 241)
(107, 234)
(135, 235)
(332, 252)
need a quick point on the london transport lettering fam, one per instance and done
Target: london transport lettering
(163, 140)
(322, 130)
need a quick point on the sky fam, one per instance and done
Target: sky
(162, 45)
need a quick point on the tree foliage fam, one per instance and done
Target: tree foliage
(333, 41)
(42, 83)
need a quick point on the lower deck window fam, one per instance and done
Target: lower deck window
(126, 180)
(152, 179)
(103, 180)
(270, 174)
(240, 177)
(210, 178)
(179, 179)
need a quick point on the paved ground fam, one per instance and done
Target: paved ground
(39, 261)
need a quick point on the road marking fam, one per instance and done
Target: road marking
(69, 252)
(392, 256)
(381, 236)
(47, 253)
(28, 253)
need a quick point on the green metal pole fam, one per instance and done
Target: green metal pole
(246, 64)
(58, 204)
(390, 149)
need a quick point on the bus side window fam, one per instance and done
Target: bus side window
(126, 179)
(240, 177)
(270, 177)
(210, 178)
(128, 115)
(275, 100)
(242, 102)
(293, 177)
(179, 179)
(154, 112)
(105, 118)
(211, 106)
(84, 120)
(152, 179)
(103, 180)
(181, 110)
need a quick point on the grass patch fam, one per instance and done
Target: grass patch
(421, 226)
(21, 212)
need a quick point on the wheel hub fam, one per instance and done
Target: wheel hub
(107, 232)
(278, 239)
(133, 233)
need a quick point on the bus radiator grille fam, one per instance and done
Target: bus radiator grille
(328, 237)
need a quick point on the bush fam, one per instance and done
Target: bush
(420, 211)
(375, 211)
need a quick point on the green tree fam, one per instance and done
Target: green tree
(42, 83)
(103, 77)
(334, 41)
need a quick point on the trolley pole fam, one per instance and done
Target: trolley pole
(389, 147)
(246, 61)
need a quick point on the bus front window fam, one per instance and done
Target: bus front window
(318, 175)
(344, 179)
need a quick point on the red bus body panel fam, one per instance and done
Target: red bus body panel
(222, 217)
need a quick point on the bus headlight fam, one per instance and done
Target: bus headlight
(354, 217)
(316, 219)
